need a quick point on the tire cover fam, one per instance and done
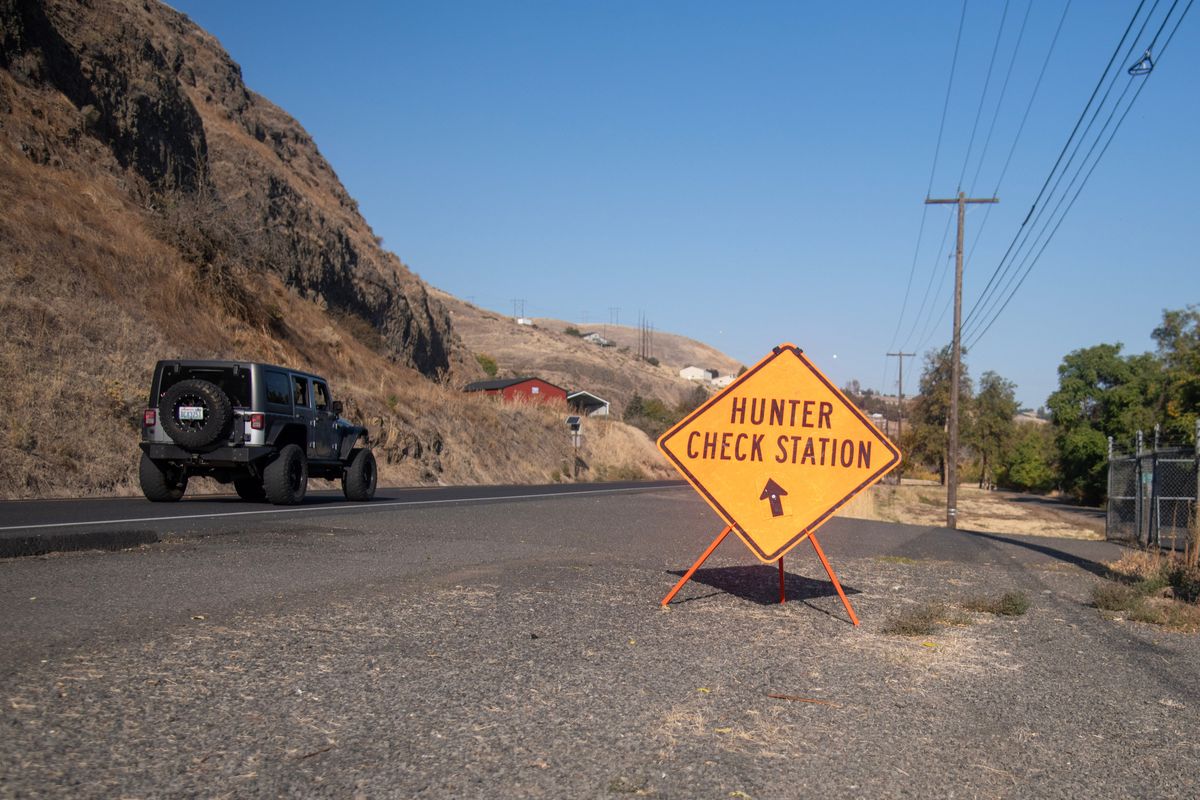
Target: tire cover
(192, 434)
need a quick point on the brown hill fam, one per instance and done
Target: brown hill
(614, 373)
(152, 206)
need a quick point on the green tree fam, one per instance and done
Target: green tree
(992, 426)
(1100, 394)
(925, 439)
(1029, 464)
(1178, 340)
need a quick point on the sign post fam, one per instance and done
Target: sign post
(775, 455)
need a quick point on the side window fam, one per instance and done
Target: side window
(320, 396)
(300, 391)
(278, 391)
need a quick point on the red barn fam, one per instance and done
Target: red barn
(534, 389)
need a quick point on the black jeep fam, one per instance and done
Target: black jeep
(263, 428)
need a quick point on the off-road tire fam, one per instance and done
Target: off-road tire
(194, 435)
(285, 479)
(358, 481)
(161, 482)
(250, 488)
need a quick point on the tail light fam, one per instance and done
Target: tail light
(257, 421)
(149, 418)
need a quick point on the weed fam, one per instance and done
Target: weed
(1109, 596)
(1009, 604)
(920, 621)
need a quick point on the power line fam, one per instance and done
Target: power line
(1063, 152)
(932, 171)
(987, 213)
(987, 81)
(988, 301)
(1095, 163)
(1012, 61)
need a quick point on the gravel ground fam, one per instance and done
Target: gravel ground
(560, 676)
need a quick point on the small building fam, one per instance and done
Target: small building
(510, 389)
(723, 381)
(525, 321)
(588, 404)
(697, 374)
(596, 338)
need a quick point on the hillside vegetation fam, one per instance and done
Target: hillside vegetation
(154, 207)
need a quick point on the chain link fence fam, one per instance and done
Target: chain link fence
(1152, 493)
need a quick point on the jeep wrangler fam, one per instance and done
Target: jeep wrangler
(263, 428)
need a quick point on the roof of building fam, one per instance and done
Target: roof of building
(587, 399)
(487, 386)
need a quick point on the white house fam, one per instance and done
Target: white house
(596, 338)
(697, 374)
(723, 381)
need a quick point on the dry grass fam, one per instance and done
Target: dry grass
(924, 619)
(613, 373)
(78, 340)
(1153, 588)
(1009, 604)
(978, 510)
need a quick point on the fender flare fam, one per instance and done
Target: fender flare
(350, 437)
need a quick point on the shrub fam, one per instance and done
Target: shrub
(1185, 582)
(571, 330)
(1009, 604)
(924, 620)
(488, 363)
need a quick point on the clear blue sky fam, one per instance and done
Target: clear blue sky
(748, 173)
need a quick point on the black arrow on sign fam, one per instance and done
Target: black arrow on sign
(773, 491)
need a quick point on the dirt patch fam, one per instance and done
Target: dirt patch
(978, 510)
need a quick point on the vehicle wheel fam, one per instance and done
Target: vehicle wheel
(285, 480)
(358, 481)
(161, 482)
(215, 413)
(250, 488)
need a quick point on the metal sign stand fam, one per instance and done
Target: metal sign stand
(687, 576)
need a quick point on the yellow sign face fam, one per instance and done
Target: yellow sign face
(778, 451)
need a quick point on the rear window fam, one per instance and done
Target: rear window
(279, 390)
(236, 386)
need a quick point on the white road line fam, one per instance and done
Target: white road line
(382, 504)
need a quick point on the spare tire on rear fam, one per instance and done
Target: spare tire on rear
(195, 413)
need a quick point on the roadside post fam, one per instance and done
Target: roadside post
(574, 424)
(775, 454)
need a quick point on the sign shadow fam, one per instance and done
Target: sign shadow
(759, 583)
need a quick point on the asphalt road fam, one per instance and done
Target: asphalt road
(515, 647)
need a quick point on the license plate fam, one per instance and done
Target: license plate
(191, 413)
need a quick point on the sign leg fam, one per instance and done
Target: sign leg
(782, 596)
(687, 576)
(829, 571)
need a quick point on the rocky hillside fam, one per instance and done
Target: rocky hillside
(153, 206)
(140, 90)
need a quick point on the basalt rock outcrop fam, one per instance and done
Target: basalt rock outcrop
(158, 102)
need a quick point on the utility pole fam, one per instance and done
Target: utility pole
(956, 357)
(900, 421)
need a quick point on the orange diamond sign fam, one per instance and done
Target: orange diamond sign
(778, 451)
